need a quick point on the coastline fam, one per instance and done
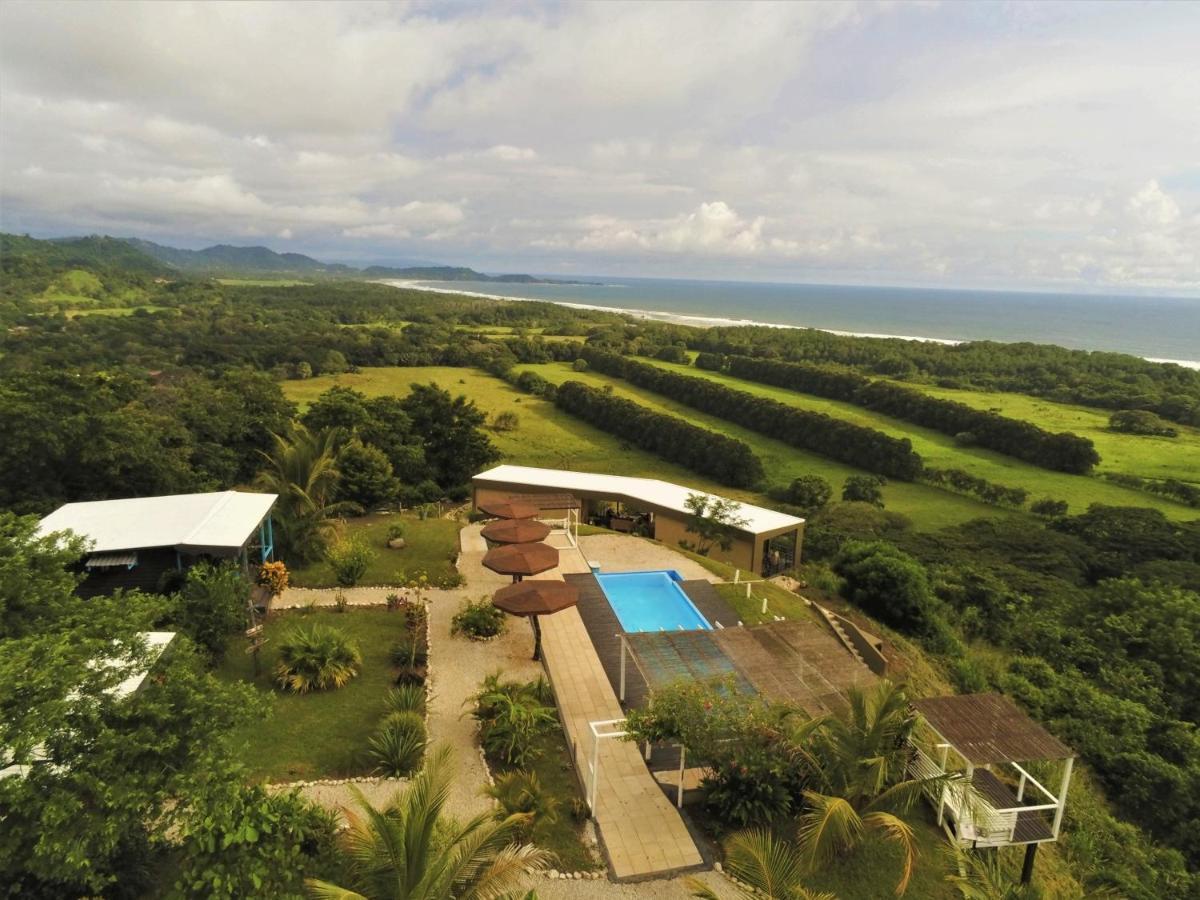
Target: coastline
(707, 321)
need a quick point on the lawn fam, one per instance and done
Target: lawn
(929, 508)
(940, 451)
(430, 547)
(1132, 454)
(318, 735)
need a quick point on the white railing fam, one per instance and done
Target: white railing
(600, 731)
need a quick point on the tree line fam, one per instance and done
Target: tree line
(1062, 452)
(723, 458)
(1090, 378)
(865, 448)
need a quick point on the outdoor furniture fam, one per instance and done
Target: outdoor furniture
(519, 560)
(531, 599)
(509, 509)
(516, 531)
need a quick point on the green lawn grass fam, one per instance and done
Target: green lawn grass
(550, 438)
(317, 735)
(1132, 454)
(927, 507)
(940, 451)
(430, 547)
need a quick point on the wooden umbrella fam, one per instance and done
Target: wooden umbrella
(536, 598)
(519, 560)
(509, 509)
(516, 531)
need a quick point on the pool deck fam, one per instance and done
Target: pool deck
(642, 833)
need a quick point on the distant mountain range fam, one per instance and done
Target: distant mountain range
(225, 258)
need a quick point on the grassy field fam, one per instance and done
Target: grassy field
(261, 282)
(1132, 454)
(940, 451)
(430, 547)
(318, 735)
(547, 437)
(111, 311)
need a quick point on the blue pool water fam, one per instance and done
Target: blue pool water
(651, 601)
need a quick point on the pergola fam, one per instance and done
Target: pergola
(972, 735)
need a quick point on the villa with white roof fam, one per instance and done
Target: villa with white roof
(139, 541)
(766, 542)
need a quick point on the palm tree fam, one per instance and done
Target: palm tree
(770, 867)
(863, 756)
(409, 851)
(978, 875)
(302, 470)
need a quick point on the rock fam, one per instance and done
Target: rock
(717, 866)
(397, 543)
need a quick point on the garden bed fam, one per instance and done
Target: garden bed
(321, 734)
(431, 546)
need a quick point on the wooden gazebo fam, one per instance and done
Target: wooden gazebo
(987, 741)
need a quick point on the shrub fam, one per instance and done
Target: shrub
(808, 492)
(212, 604)
(888, 584)
(397, 747)
(580, 365)
(395, 531)
(274, 577)
(478, 620)
(406, 698)
(505, 421)
(521, 793)
(410, 652)
(511, 715)
(340, 604)
(349, 559)
(365, 476)
(1140, 421)
(864, 489)
(1048, 508)
(316, 658)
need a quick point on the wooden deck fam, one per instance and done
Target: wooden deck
(1031, 826)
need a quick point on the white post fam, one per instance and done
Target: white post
(622, 668)
(1021, 788)
(1062, 795)
(649, 750)
(747, 590)
(942, 793)
(595, 770)
(764, 608)
(679, 796)
(737, 575)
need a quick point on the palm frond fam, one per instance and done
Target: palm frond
(900, 832)
(764, 862)
(830, 826)
(323, 890)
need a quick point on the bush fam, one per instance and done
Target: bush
(580, 365)
(808, 493)
(397, 747)
(521, 793)
(406, 698)
(1048, 509)
(410, 652)
(1140, 421)
(274, 577)
(349, 558)
(212, 605)
(395, 531)
(365, 476)
(887, 584)
(864, 489)
(505, 421)
(316, 658)
(478, 620)
(511, 715)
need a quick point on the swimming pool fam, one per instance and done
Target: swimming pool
(651, 601)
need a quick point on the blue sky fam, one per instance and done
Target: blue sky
(968, 144)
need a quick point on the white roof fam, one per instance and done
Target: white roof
(218, 521)
(647, 490)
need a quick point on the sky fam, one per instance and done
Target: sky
(1011, 146)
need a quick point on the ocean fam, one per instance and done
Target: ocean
(1165, 329)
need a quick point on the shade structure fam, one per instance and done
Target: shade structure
(509, 509)
(533, 599)
(519, 560)
(516, 531)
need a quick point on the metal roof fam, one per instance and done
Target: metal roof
(989, 728)
(222, 520)
(651, 491)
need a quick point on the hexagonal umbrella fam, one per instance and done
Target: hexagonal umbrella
(519, 560)
(536, 598)
(516, 531)
(509, 509)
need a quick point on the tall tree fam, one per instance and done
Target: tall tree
(455, 445)
(302, 470)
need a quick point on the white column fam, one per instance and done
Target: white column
(595, 771)
(682, 757)
(1062, 795)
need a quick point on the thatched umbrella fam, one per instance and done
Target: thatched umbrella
(536, 598)
(509, 509)
(516, 531)
(519, 560)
